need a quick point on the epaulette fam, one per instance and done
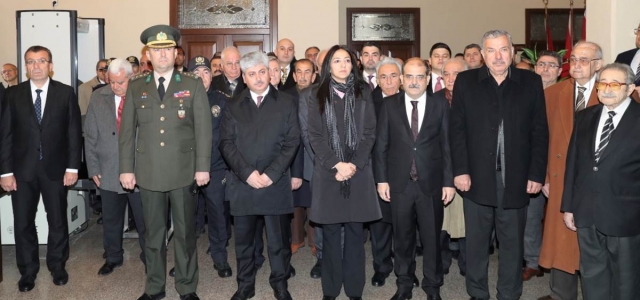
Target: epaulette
(224, 94)
(189, 74)
(142, 75)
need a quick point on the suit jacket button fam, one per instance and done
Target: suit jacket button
(113, 133)
(161, 119)
(555, 175)
(558, 156)
(162, 106)
(161, 131)
(415, 149)
(161, 144)
(595, 169)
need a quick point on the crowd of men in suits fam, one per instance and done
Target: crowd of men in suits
(439, 158)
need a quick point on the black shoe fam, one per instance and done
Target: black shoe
(418, 251)
(328, 298)
(258, 267)
(434, 297)
(463, 273)
(402, 296)
(224, 270)
(152, 297)
(244, 295)
(316, 271)
(209, 250)
(60, 277)
(172, 272)
(445, 271)
(282, 295)
(99, 221)
(190, 296)
(292, 271)
(107, 268)
(26, 283)
(378, 279)
(416, 282)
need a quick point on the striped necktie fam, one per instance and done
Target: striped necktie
(580, 100)
(607, 130)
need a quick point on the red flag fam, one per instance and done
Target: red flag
(568, 45)
(548, 29)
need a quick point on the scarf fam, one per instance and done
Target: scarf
(351, 135)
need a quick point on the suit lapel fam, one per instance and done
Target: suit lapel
(566, 108)
(628, 121)
(593, 131)
(428, 109)
(48, 105)
(31, 111)
(173, 85)
(402, 111)
(152, 88)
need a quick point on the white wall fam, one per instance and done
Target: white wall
(611, 23)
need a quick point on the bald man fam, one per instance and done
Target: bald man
(285, 51)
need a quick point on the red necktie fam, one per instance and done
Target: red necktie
(438, 84)
(259, 100)
(371, 82)
(120, 107)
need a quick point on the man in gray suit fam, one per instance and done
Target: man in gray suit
(101, 129)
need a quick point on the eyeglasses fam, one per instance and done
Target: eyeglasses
(583, 61)
(103, 70)
(32, 62)
(543, 65)
(614, 86)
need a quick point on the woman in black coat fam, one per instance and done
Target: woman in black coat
(342, 130)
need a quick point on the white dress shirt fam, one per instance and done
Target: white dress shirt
(635, 62)
(422, 103)
(587, 93)
(434, 80)
(254, 96)
(167, 79)
(118, 100)
(616, 119)
(374, 79)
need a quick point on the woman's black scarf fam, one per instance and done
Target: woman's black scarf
(351, 133)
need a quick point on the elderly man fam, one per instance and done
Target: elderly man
(166, 126)
(632, 58)
(230, 83)
(285, 51)
(549, 67)
(423, 153)
(311, 54)
(260, 184)
(438, 55)
(472, 56)
(559, 251)
(39, 158)
(274, 72)
(369, 57)
(85, 89)
(10, 74)
(601, 180)
(101, 132)
(499, 140)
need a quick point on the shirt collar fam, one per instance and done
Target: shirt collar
(167, 77)
(44, 87)
(514, 74)
(620, 109)
(264, 94)
(589, 84)
(421, 99)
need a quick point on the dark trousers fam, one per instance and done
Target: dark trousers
(218, 235)
(447, 252)
(533, 230)
(25, 203)
(155, 206)
(343, 266)
(609, 265)
(114, 206)
(509, 226)
(410, 210)
(259, 237)
(381, 243)
(278, 247)
(563, 285)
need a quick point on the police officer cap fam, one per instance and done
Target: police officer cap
(160, 36)
(133, 60)
(197, 62)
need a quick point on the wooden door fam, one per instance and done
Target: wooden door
(205, 45)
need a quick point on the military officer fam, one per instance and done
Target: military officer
(165, 149)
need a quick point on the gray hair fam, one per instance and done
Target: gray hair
(272, 58)
(492, 34)
(226, 50)
(118, 65)
(593, 45)
(458, 60)
(253, 59)
(388, 61)
(323, 51)
(624, 68)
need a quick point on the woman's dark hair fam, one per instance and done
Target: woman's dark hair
(324, 92)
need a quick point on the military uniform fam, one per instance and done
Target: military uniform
(164, 141)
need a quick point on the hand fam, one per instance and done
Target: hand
(568, 221)
(345, 169)
(462, 182)
(296, 183)
(9, 183)
(128, 181)
(202, 178)
(266, 181)
(340, 177)
(254, 180)
(533, 187)
(447, 194)
(545, 190)
(383, 191)
(70, 178)
(96, 179)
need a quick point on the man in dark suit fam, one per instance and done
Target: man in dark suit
(369, 58)
(438, 55)
(285, 51)
(499, 140)
(259, 137)
(413, 172)
(601, 194)
(632, 58)
(230, 83)
(40, 138)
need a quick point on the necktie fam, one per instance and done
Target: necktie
(259, 100)
(283, 79)
(637, 81)
(414, 131)
(606, 134)
(438, 84)
(232, 86)
(371, 82)
(580, 100)
(38, 108)
(161, 87)
(120, 107)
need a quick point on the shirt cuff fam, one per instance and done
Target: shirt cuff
(6, 175)
(72, 171)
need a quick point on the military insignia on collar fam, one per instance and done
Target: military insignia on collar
(148, 78)
(161, 36)
(178, 78)
(223, 93)
(215, 111)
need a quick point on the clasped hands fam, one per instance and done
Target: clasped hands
(259, 181)
(463, 183)
(344, 171)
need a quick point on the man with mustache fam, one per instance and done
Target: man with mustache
(216, 65)
(499, 140)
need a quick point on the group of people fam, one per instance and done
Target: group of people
(440, 158)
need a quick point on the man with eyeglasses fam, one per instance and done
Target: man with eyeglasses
(632, 58)
(600, 199)
(85, 89)
(549, 67)
(230, 83)
(559, 251)
(10, 74)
